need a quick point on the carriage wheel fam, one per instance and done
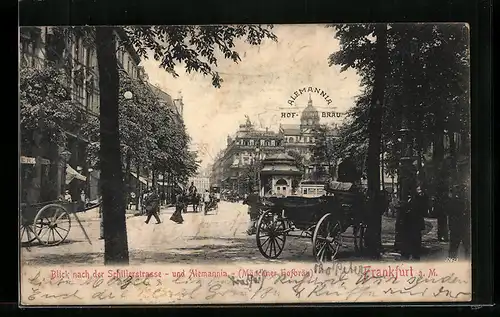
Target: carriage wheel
(271, 235)
(326, 239)
(27, 231)
(54, 224)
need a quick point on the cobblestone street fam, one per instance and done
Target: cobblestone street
(211, 238)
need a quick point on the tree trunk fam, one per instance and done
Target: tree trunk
(453, 156)
(440, 182)
(113, 204)
(382, 162)
(127, 179)
(163, 199)
(153, 178)
(138, 186)
(374, 131)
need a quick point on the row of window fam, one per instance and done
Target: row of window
(300, 139)
(38, 46)
(252, 142)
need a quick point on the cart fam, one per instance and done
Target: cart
(49, 223)
(323, 219)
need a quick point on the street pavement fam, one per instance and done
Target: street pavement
(201, 238)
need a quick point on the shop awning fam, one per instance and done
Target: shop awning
(71, 174)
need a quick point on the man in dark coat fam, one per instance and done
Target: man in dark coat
(253, 202)
(459, 221)
(413, 224)
(152, 203)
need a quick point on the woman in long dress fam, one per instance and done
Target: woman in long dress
(179, 206)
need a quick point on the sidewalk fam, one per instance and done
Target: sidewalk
(432, 248)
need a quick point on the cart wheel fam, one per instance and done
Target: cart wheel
(326, 239)
(53, 224)
(271, 235)
(27, 231)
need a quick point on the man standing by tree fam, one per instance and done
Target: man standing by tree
(459, 211)
(253, 201)
(347, 171)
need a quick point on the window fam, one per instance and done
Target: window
(273, 143)
(262, 142)
(77, 50)
(290, 140)
(252, 142)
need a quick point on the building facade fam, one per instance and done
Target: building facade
(174, 105)
(248, 147)
(301, 138)
(251, 145)
(73, 53)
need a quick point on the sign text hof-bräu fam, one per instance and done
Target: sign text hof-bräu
(321, 92)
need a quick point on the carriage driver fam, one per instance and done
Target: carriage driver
(253, 201)
(192, 190)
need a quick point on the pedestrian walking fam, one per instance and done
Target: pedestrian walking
(413, 224)
(152, 204)
(253, 202)
(459, 213)
(180, 203)
(206, 201)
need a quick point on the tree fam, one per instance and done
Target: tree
(113, 202)
(46, 109)
(325, 151)
(299, 160)
(426, 84)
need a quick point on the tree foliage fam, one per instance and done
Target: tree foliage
(45, 106)
(427, 80)
(197, 47)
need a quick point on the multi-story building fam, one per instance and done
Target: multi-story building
(75, 54)
(301, 138)
(247, 147)
(242, 150)
(174, 105)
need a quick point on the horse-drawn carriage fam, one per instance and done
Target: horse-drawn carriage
(323, 219)
(50, 222)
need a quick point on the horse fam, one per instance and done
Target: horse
(195, 200)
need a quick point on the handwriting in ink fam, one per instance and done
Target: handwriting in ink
(37, 293)
(449, 293)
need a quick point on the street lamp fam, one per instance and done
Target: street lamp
(128, 95)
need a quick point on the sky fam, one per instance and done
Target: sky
(260, 86)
